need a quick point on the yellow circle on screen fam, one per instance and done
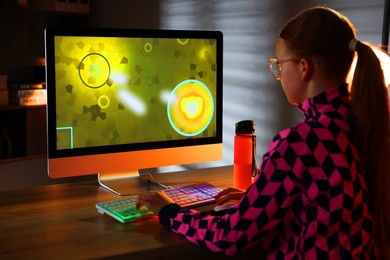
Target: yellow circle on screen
(190, 107)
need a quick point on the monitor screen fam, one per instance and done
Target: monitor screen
(120, 100)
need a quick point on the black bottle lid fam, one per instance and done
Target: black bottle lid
(245, 127)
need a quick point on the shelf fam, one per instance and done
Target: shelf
(16, 107)
(14, 61)
(80, 7)
(22, 59)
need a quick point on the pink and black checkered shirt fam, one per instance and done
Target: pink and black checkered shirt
(309, 200)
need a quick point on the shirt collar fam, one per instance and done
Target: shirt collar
(331, 99)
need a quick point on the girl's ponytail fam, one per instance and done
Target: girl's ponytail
(371, 123)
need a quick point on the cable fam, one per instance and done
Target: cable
(158, 183)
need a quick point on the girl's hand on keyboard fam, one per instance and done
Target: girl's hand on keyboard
(153, 200)
(229, 194)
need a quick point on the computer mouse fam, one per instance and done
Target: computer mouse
(225, 206)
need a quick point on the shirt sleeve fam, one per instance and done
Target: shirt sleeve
(265, 205)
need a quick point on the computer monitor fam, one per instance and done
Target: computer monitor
(120, 100)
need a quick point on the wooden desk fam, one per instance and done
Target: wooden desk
(61, 222)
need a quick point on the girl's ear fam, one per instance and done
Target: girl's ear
(306, 68)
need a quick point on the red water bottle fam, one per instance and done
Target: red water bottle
(245, 167)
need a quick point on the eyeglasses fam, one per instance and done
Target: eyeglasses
(275, 66)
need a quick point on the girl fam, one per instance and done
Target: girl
(321, 189)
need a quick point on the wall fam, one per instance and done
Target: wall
(125, 14)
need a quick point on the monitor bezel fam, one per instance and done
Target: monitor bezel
(51, 33)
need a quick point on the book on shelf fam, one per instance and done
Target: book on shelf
(20, 86)
(27, 94)
(3, 90)
(28, 101)
(3, 82)
(3, 97)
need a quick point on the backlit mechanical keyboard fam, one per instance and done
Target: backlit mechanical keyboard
(124, 210)
(193, 195)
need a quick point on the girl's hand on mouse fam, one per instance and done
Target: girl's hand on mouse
(153, 200)
(229, 194)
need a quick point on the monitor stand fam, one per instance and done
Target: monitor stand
(127, 183)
